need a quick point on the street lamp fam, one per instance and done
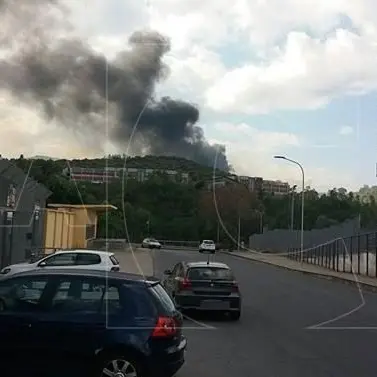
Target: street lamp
(302, 199)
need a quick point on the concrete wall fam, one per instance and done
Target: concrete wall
(280, 240)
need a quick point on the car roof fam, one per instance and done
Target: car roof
(207, 264)
(98, 252)
(207, 240)
(125, 276)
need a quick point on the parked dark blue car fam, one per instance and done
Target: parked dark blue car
(87, 323)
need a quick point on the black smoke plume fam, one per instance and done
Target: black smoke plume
(82, 89)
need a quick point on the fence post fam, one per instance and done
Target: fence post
(358, 254)
(337, 254)
(375, 254)
(351, 254)
(343, 243)
(367, 248)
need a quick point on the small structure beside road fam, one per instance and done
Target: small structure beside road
(72, 226)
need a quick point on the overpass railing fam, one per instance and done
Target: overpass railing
(355, 254)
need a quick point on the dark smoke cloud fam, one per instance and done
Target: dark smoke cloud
(80, 88)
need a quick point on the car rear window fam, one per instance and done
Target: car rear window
(209, 273)
(159, 292)
(114, 261)
(88, 259)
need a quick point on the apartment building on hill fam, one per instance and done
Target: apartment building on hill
(110, 174)
(102, 175)
(275, 187)
(255, 184)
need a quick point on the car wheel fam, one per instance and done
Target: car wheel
(120, 365)
(2, 305)
(235, 316)
(212, 251)
(142, 245)
(200, 251)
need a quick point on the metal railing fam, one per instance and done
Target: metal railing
(176, 244)
(355, 254)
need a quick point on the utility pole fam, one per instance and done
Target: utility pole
(239, 232)
(149, 225)
(293, 206)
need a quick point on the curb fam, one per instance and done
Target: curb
(319, 275)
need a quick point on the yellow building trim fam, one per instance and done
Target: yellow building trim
(98, 207)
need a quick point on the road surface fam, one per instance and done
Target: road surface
(272, 339)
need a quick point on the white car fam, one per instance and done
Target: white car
(207, 246)
(81, 259)
(151, 243)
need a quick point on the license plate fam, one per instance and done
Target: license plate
(214, 304)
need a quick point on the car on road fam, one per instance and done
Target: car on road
(207, 246)
(81, 259)
(209, 286)
(151, 243)
(66, 322)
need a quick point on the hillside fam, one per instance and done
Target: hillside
(189, 211)
(148, 162)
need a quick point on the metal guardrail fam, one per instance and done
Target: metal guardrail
(356, 254)
(34, 254)
(171, 244)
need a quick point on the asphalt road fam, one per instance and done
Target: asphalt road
(272, 338)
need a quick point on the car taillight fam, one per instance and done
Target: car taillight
(235, 286)
(165, 327)
(184, 283)
(115, 268)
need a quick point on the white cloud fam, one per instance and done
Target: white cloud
(346, 130)
(300, 57)
(306, 73)
(251, 153)
(308, 59)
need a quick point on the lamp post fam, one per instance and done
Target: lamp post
(302, 199)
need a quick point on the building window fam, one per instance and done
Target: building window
(11, 197)
(90, 231)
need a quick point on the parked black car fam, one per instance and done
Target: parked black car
(69, 322)
(209, 286)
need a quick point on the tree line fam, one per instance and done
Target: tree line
(167, 210)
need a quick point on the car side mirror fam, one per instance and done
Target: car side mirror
(167, 272)
(42, 264)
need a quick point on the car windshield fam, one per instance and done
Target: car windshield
(36, 258)
(208, 242)
(209, 273)
(153, 240)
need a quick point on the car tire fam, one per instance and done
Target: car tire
(213, 252)
(235, 315)
(200, 251)
(107, 358)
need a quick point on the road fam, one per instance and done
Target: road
(272, 338)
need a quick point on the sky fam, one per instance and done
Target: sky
(280, 77)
